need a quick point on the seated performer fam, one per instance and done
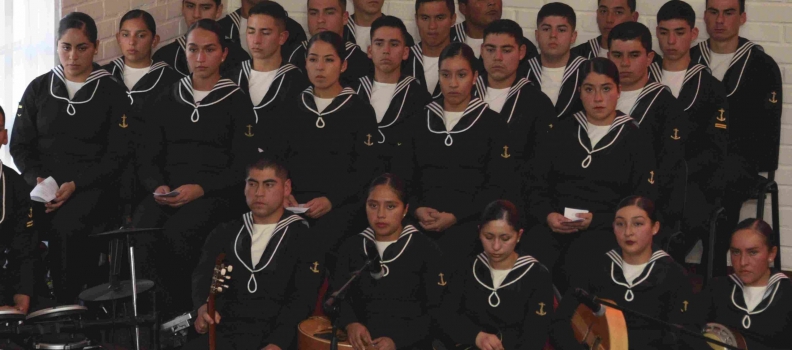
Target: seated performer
(756, 300)
(636, 275)
(235, 27)
(478, 15)
(396, 310)
(589, 162)
(435, 20)
(358, 27)
(505, 300)
(274, 281)
(197, 141)
(394, 96)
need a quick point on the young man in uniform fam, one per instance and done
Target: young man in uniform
(478, 15)
(235, 27)
(434, 19)
(610, 13)
(358, 28)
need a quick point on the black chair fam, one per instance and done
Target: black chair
(763, 187)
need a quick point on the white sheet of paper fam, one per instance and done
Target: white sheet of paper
(45, 191)
(167, 195)
(301, 209)
(570, 213)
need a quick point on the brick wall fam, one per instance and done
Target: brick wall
(769, 24)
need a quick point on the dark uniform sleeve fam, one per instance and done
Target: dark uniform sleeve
(364, 158)
(540, 199)
(24, 137)
(344, 272)
(25, 239)
(562, 335)
(682, 309)
(202, 275)
(151, 150)
(539, 310)
(710, 137)
(502, 179)
(460, 328)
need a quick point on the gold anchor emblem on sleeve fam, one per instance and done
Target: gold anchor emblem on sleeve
(773, 99)
(123, 124)
(315, 267)
(721, 118)
(249, 132)
(368, 140)
(541, 311)
(506, 154)
(685, 305)
(651, 177)
(442, 282)
(675, 136)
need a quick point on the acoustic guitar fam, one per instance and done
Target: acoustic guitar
(606, 332)
(218, 278)
(726, 335)
(315, 333)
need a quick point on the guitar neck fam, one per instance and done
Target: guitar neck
(210, 310)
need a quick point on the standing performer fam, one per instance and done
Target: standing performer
(395, 309)
(197, 142)
(235, 27)
(83, 157)
(478, 15)
(434, 19)
(358, 28)
(505, 301)
(274, 281)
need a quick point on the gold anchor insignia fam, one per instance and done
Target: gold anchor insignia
(442, 282)
(368, 140)
(249, 132)
(773, 99)
(651, 177)
(506, 152)
(684, 308)
(721, 118)
(551, 126)
(123, 124)
(398, 143)
(315, 267)
(541, 311)
(30, 214)
(20, 106)
(676, 134)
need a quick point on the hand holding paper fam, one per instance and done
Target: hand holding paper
(45, 191)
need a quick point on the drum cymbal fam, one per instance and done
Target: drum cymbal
(120, 233)
(56, 312)
(106, 291)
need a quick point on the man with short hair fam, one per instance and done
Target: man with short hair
(610, 13)
(235, 27)
(555, 70)
(331, 15)
(175, 53)
(753, 85)
(358, 28)
(706, 108)
(434, 19)
(478, 15)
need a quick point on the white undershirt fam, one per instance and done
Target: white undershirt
(496, 98)
(259, 240)
(753, 296)
(199, 95)
(719, 64)
(498, 276)
(475, 44)
(259, 84)
(322, 103)
(627, 100)
(72, 87)
(674, 80)
(603, 53)
(596, 133)
(381, 246)
(551, 82)
(631, 272)
(431, 72)
(363, 37)
(243, 22)
(451, 119)
(133, 75)
(381, 95)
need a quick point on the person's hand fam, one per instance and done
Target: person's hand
(384, 343)
(560, 224)
(426, 216)
(442, 222)
(587, 217)
(486, 341)
(358, 336)
(271, 347)
(22, 302)
(39, 180)
(161, 190)
(187, 194)
(64, 193)
(290, 201)
(203, 320)
(318, 207)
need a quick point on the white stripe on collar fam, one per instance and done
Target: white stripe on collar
(742, 51)
(352, 26)
(536, 68)
(617, 261)
(418, 53)
(247, 220)
(320, 123)
(475, 104)
(368, 234)
(186, 84)
(95, 75)
(647, 90)
(236, 18)
(459, 29)
(247, 67)
(595, 48)
(481, 90)
(618, 122)
(522, 261)
(772, 288)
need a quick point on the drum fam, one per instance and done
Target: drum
(725, 335)
(315, 334)
(11, 316)
(62, 341)
(55, 313)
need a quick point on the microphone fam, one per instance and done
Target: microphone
(587, 299)
(375, 267)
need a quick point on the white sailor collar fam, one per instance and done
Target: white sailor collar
(339, 101)
(535, 75)
(653, 90)
(417, 68)
(392, 252)
(236, 18)
(614, 131)
(145, 84)
(58, 87)
(351, 27)
(515, 90)
(222, 89)
(482, 272)
(182, 46)
(458, 32)
(278, 234)
(692, 76)
(741, 58)
(772, 288)
(618, 278)
(277, 82)
(367, 85)
(435, 120)
(594, 45)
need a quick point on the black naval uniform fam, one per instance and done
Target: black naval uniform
(175, 55)
(47, 141)
(459, 35)
(358, 63)
(768, 326)
(662, 290)
(401, 305)
(413, 66)
(264, 303)
(18, 238)
(591, 49)
(207, 144)
(569, 173)
(518, 311)
(568, 101)
(230, 26)
(706, 108)
(350, 33)
(408, 99)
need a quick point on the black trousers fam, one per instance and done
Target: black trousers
(232, 335)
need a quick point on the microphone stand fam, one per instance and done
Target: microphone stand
(332, 306)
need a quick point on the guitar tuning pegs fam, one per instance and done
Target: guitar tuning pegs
(225, 286)
(227, 278)
(230, 268)
(223, 272)
(219, 289)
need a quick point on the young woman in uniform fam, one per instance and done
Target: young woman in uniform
(396, 310)
(756, 300)
(504, 299)
(198, 139)
(83, 157)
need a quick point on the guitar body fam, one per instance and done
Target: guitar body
(608, 332)
(726, 335)
(315, 334)
(218, 278)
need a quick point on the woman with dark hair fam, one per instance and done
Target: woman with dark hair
(756, 300)
(505, 301)
(328, 140)
(588, 163)
(395, 309)
(198, 139)
(82, 157)
(639, 276)
(457, 157)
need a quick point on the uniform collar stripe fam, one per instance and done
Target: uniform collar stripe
(536, 69)
(346, 91)
(407, 231)
(595, 47)
(186, 84)
(527, 262)
(475, 104)
(235, 17)
(418, 53)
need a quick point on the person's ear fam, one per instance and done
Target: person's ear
(743, 18)
(344, 66)
(650, 55)
(282, 37)
(523, 50)
(635, 16)
(345, 18)
(156, 41)
(287, 188)
(519, 235)
(771, 257)
(655, 228)
(695, 33)
(219, 11)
